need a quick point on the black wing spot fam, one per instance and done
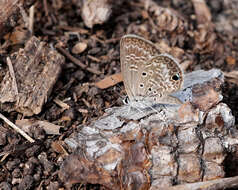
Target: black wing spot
(144, 74)
(176, 77)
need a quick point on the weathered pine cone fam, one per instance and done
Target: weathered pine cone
(158, 146)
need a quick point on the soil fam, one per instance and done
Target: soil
(26, 165)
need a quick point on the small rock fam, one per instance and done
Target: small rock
(16, 173)
(3, 176)
(93, 91)
(38, 132)
(48, 166)
(13, 164)
(29, 168)
(79, 48)
(53, 185)
(94, 50)
(38, 173)
(79, 75)
(32, 150)
(16, 181)
(37, 177)
(26, 183)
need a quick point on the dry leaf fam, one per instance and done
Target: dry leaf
(19, 35)
(109, 81)
(49, 128)
(57, 147)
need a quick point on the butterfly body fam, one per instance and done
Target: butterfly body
(148, 76)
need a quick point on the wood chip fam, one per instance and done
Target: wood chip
(11, 13)
(22, 89)
(109, 81)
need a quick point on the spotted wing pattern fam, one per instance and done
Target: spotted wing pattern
(147, 74)
(134, 52)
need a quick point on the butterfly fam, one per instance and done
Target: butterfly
(149, 77)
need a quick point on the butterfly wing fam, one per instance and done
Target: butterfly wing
(135, 54)
(160, 77)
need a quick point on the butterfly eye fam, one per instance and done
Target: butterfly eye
(176, 77)
(149, 89)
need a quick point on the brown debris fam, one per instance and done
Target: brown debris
(166, 19)
(33, 90)
(205, 36)
(96, 12)
(49, 128)
(205, 99)
(202, 11)
(84, 171)
(130, 148)
(10, 13)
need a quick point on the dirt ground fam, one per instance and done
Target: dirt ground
(202, 38)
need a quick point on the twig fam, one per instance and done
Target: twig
(223, 183)
(46, 8)
(112, 40)
(17, 128)
(94, 58)
(61, 104)
(5, 155)
(77, 62)
(9, 63)
(24, 15)
(73, 29)
(31, 19)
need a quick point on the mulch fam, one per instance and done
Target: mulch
(202, 36)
